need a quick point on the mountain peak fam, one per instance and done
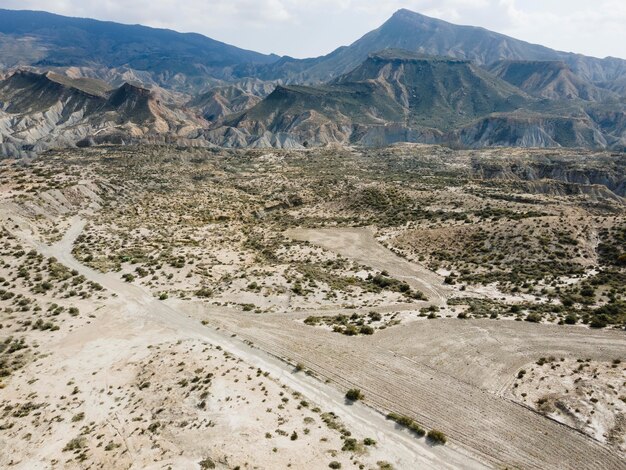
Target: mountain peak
(405, 12)
(407, 16)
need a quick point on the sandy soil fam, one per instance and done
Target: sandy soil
(126, 382)
(142, 312)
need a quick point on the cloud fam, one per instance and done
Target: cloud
(313, 27)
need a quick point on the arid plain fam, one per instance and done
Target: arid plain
(169, 307)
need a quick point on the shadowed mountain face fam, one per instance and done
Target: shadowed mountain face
(47, 40)
(552, 80)
(422, 96)
(397, 96)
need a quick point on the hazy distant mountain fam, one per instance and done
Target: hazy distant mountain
(45, 40)
(418, 33)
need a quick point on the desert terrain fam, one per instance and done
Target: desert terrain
(174, 307)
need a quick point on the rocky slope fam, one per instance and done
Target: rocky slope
(553, 80)
(399, 96)
(224, 100)
(598, 174)
(87, 82)
(39, 111)
(393, 96)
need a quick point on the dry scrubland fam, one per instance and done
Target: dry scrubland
(455, 294)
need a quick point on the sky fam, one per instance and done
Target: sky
(309, 28)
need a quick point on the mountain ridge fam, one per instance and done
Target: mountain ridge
(415, 79)
(419, 33)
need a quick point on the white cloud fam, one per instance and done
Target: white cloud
(312, 27)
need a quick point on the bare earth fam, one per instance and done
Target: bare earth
(178, 308)
(89, 353)
(451, 390)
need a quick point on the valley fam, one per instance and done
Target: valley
(406, 253)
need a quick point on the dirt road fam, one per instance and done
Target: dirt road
(140, 307)
(447, 374)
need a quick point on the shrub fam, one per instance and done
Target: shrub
(354, 394)
(599, 321)
(349, 445)
(367, 330)
(206, 464)
(375, 316)
(75, 444)
(350, 330)
(533, 318)
(407, 422)
(334, 464)
(571, 319)
(204, 292)
(436, 437)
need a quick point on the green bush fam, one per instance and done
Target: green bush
(436, 437)
(533, 318)
(367, 330)
(407, 422)
(354, 394)
(601, 321)
(350, 445)
(571, 319)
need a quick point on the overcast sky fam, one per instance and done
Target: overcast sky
(306, 28)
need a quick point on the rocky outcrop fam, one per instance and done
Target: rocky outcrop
(603, 176)
(222, 101)
(531, 130)
(40, 111)
(553, 80)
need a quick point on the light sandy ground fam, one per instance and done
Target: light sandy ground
(587, 395)
(448, 374)
(359, 244)
(142, 313)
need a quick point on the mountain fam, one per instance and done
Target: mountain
(552, 80)
(418, 33)
(401, 96)
(71, 81)
(392, 95)
(221, 101)
(39, 111)
(529, 129)
(46, 40)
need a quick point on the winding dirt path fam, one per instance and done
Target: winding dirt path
(438, 373)
(138, 305)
